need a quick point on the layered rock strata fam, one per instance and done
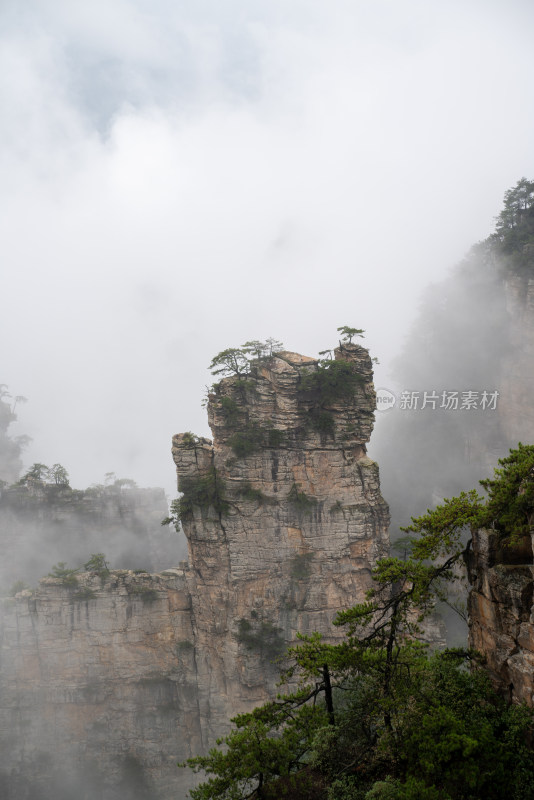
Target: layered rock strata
(300, 523)
(501, 613)
(124, 674)
(98, 688)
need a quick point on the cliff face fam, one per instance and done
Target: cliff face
(97, 688)
(284, 520)
(302, 522)
(501, 606)
(501, 613)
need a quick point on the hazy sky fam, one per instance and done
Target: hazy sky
(181, 176)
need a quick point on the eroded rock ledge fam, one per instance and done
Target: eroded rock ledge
(284, 521)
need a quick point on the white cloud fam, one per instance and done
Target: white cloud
(181, 177)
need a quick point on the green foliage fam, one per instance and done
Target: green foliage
(248, 441)
(440, 531)
(237, 360)
(402, 547)
(254, 758)
(508, 508)
(338, 506)
(323, 422)
(64, 574)
(244, 385)
(260, 350)
(514, 230)
(347, 334)
(383, 790)
(189, 440)
(301, 565)
(185, 646)
(58, 475)
(300, 500)
(37, 471)
(230, 409)
(460, 736)
(205, 491)
(437, 725)
(333, 381)
(510, 504)
(247, 492)
(261, 636)
(144, 593)
(275, 437)
(84, 594)
(232, 361)
(97, 563)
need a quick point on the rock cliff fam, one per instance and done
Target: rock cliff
(97, 688)
(131, 672)
(501, 613)
(501, 607)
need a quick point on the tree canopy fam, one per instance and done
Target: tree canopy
(348, 333)
(56, 474)
(514, 228)
(237, 360)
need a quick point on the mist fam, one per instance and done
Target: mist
(180, 178)
(458, 347)
(177, 180)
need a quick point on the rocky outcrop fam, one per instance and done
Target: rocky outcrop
(284, 520)
(300, 520)
(501, 612)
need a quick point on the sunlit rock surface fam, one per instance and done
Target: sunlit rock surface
(113, 681)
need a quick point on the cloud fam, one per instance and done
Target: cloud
(179, 178)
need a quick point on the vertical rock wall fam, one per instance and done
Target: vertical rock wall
(105, 685)
(501, 606)
(501, 613)
(302, 524)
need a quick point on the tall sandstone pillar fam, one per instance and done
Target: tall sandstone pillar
(296, 526)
